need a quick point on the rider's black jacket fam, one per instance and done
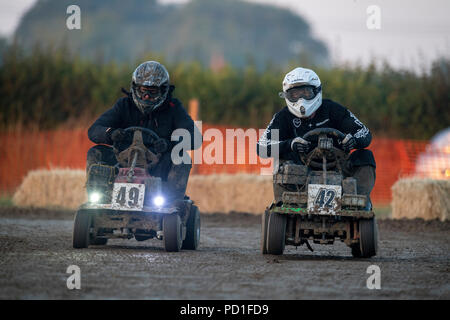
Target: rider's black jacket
(164, 120)
(329, 115)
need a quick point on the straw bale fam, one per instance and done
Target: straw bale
(64, 188)
(227, 193)
(421, 198)
(212, 193)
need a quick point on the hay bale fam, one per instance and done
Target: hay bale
(58, 188)
(223, 193)
(231, 192)
(421, 198)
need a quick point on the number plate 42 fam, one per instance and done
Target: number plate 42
(128, 196)
(324, 199)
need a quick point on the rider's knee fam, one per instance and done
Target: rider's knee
(98, 151)
(93, 153)
(100, 154)
(362, 157)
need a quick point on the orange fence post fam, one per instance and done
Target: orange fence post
(193, 109)
(193, 112)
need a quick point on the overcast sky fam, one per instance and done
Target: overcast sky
(412, 34)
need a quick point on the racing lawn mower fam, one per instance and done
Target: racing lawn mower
(315, 202)
(125, 201)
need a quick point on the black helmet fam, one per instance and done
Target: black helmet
(149, 86)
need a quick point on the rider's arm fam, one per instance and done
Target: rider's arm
(183, 120)
(348, 123)
(100, 131)
(271, 138)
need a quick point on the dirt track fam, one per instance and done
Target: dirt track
(36, 249)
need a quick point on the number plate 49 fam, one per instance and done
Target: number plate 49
(324, 199)
(128, 196)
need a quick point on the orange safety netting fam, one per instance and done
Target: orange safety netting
(21, 152)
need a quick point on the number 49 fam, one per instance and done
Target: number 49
(133, 196)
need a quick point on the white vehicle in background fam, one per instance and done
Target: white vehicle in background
(434, 162)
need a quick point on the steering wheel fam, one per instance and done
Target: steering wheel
(150, 132)
(334, 152)
(152, 157)
(328, 131)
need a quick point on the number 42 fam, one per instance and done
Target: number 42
(324, 198)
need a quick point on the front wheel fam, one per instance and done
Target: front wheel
(276, 232)
(192, 230)
(81, 229)
(172, 229)
(368, 237)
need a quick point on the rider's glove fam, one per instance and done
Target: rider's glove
(348, 143)
(118, 135)
(300, 145)
(161, 145)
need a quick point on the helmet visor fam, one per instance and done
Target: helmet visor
(149, 93)
(147, 98)
(302, 92)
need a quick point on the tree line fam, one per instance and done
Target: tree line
(52, 88)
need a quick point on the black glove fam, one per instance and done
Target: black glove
(300, 145)
(118, 135)
(161, 145)
(348, 143)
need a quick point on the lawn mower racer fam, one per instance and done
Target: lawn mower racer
(321, 191)
(134, 186)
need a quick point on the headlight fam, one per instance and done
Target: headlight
(95, 197)
(158, 201)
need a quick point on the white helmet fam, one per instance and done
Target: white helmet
(307, 97)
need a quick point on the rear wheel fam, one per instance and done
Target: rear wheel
(192, 230)
(368, 237)
(264, 220)
(172, 229)
(276, 232)
(81, 229)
